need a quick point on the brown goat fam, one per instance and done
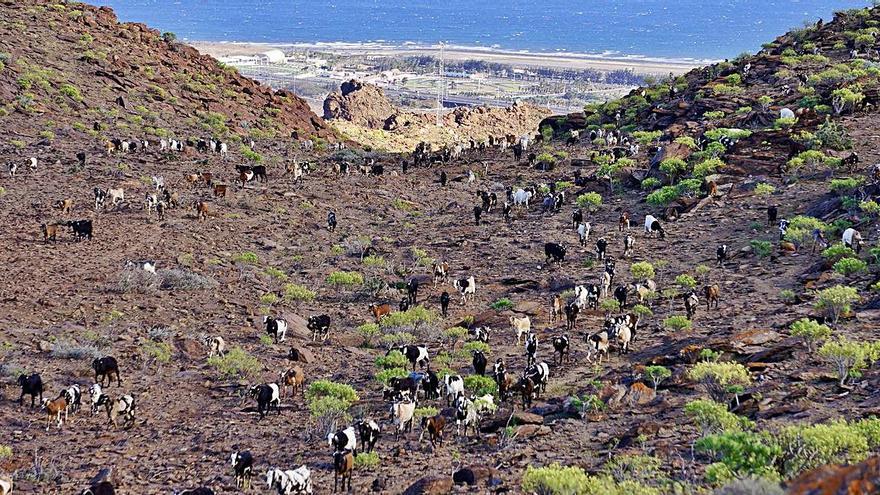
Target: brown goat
(54, 409)
(343, 465)
(50, 231)
(219, 190)
(193, 179)
(556, 308)
(713, 295)
(526, 388)
(379, 311)
(294, 378)
(710, 188)
(623, 222)
(434, 426)
(65, 205)
(201, 210)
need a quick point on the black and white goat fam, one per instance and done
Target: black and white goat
(276, 328)
(466, 287)
(320, 327)
(415, 354)
(268, 395)
(242, 467)
(369, 432)
(343, 440)
(653, 225)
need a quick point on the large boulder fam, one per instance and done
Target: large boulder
(861, 478)
(363, 104)
(431, 485)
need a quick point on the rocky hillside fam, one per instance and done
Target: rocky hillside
(825, 69)
(768, 391)
(71, 70)
(365, 114)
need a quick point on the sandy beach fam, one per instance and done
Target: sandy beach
(519, 59)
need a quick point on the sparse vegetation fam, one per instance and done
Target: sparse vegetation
(236, 363)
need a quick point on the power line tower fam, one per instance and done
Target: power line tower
(441, 88)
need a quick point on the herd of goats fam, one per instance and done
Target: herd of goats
(402, 394)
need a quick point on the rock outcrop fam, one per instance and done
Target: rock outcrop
(366, 106)
(861, 478)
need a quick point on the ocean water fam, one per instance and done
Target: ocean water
(677, 29)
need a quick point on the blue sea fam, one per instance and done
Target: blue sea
(672, 29)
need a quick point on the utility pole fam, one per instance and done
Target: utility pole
(441, 88)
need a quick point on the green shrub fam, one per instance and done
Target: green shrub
(387, 374)
(345, 279)
(328, 406)
(368, 331)
(674, 167)
(687, 141)
(656, 374)
(708, 167)
(850, 266)
(557, 480)
(296, 292)
(373, 261)
(788, 296)
(641, 310)
(269, 298)
(455, 334)
(836, 301)
(610, 305)
(838, 251)
(398, 338)
(761, 248)
(804, 447)
(642, 270)
(250, 154)
(236, 363)
(845, 98)
(677, 323)
(714, 115)
(5, 451)
(685, 281)
(650, 183)
(367, 461)
(480, 385)
(732, 133)
(846, 185)
(849, 358)
(247, 257)
(71, 91)
(801, 227)
(476, 345)
(784, 122)
(591, 201)
(810, 331)
(870, 207)
(832, 134)
(502, 304)
(740, 454)
(393, 359)
(158, 351)
(713, 417)
(764, 189)
(719, 377)
(327, 388)
(647, 137)
(422, 412)
(409, 318)
(663, 196)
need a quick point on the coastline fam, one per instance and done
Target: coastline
(521, 58)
